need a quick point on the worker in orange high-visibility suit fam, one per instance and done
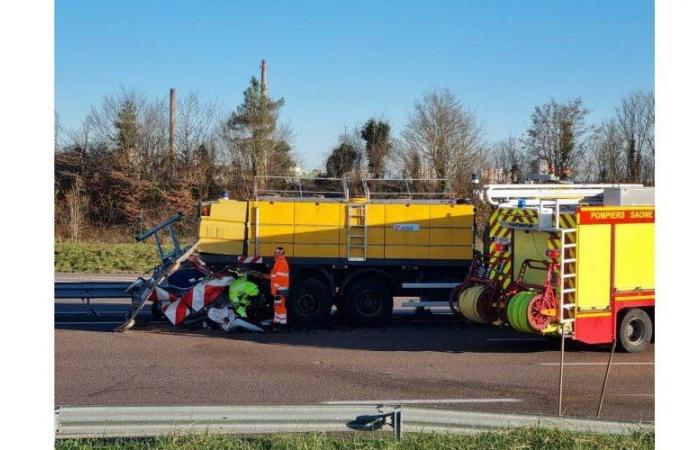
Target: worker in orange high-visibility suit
(279, 286)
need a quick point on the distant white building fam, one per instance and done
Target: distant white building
(297, 171)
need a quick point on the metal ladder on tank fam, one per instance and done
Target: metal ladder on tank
(567, 324)
(357, 232)
(567, 295)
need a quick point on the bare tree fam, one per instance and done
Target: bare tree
(196, 125)
(76, 203)
(509, 162)
(447, 137)
(557, 135)
(607, 153)
(635, 118)
(408, 163)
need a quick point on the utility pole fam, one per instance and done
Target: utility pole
(263, 92)
(263, 77)
(171, 134)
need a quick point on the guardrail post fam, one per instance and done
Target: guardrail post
(397, 423)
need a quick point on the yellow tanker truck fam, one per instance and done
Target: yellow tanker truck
(355, 252)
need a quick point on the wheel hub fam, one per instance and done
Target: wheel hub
(307, 303)
(634, 331)
(369, 303)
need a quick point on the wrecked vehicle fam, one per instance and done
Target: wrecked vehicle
(186, 292)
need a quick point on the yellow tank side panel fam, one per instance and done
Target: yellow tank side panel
(276, 233)
(451, 216)
(220, 229)
(407, 213)
(317, 229)
(461, 252)
(220, 246)
(407, 237)
(529, 245)
(272, 225)
(229, 210)
(593, 267)
(315, 234)
(316, 250)
(407, 252)
(376, 213)
(376, 251)
(223, 231)
(275, 212)
(309, 229)
(322, 214)
(268, 249)
(634, 256)
(458, 237)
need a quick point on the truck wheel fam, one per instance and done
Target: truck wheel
(309, 302)
(368, 301)
(635, 330)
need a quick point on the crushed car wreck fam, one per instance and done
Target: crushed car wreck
(186, 292)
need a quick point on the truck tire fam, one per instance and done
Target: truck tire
(635, 331)
(368, 301)
(309, 302)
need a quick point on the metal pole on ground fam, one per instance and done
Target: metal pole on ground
(561, 370)
(605, 380)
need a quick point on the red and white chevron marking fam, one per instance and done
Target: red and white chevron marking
(161, 295)
(250, 259)
(198, 297)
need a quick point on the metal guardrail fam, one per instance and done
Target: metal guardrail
(91, 289)
(142, 421)
(314, 188)
(408, 189)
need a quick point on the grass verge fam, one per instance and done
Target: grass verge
(97, 257)
(521, 439)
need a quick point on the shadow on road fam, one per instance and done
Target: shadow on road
(406, 332)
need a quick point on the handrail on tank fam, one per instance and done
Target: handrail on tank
(495, 194)
(404, 191)
(276, 187)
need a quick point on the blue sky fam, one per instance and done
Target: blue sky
(338, 63)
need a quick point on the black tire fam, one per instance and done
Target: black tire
(368, 301)
(309, 302)
(635, 331)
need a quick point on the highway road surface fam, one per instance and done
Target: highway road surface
(430, 360)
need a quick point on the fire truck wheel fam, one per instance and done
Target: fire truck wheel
(634, 332)
(368, 301)
(309, 302)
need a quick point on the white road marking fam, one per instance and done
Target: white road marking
(600, 364)
(631, 395)
(423, 401)
(516, 339)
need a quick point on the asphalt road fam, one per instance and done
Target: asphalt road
(431, 360)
